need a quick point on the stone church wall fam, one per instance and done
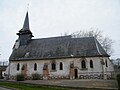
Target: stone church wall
(96, 72)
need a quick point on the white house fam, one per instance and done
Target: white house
(58, 57)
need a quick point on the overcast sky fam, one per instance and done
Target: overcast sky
(49, 18)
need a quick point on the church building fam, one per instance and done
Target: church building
(62, 57)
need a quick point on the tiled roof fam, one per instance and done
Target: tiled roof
(59, 47)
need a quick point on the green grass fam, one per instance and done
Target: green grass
(21, 86)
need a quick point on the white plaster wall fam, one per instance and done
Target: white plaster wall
(110, 65)
(97, 67)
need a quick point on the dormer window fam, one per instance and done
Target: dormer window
(27, 54)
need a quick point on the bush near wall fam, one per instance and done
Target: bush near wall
(118, 80)
(20, 77)
(35, 76)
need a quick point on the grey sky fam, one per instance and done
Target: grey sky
(50, 18)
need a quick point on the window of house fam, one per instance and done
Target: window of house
(106, 63)
(53, 65)
(35, 66)
(18, 67)
(91, 64)
(83, 64)
(61, 66)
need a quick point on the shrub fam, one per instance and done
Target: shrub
(118, 80)
(20, 77)
(35, 76)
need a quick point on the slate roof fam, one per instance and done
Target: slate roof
(59, 47)
(26, 23)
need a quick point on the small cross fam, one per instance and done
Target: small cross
(27, 6)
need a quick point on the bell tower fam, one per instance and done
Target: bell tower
(25, 35)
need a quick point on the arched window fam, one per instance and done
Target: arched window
(91, 64)
(35, 66)
(53, 66)
(18, 67)
(83, 64)
(106, 63)
(61, 66)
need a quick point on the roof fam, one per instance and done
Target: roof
(59, 47)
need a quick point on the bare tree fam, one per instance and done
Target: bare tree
(105, 41)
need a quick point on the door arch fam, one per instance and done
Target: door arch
(24, 70)
(76, 73)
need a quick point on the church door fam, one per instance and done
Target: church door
(76, 73)
(45, 72)
(24, 70)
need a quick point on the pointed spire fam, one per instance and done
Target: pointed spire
(25, 29)
(26, 23)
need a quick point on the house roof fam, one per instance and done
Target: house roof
(59, 47)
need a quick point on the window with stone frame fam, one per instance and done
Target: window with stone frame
(53, 66)
(35, 66)
(83, 64)
(106, 63)
(18, 67)
(61, 66)
(91, 64)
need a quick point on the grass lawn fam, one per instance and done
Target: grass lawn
(20, 86)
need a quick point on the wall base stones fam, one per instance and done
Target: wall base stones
(80, 76)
